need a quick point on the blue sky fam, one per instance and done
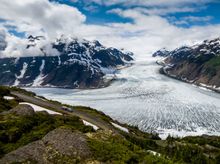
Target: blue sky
(98, 13)
(140, 26)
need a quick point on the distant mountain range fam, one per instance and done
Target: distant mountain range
(66, 63)
(198, 64)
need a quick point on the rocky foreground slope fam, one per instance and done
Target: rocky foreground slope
(198, 64)
(66, 63)
(30, 136)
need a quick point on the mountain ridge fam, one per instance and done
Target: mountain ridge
(198, 64)
(65, 63)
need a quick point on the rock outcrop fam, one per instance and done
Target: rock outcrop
(60, 145)
(22, 110)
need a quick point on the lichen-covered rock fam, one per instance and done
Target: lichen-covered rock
(33, 152)
(58, 146)
(67, 142)
(22, 110)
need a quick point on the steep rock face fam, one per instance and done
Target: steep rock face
(199, 64)
(80, 64)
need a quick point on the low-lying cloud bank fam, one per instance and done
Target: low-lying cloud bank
(147, 33)
(18, 47)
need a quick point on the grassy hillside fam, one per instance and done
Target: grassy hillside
(21, 133)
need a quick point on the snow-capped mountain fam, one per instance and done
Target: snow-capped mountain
(208, 48)
(66, 62)
(199, 64)
(162, 52)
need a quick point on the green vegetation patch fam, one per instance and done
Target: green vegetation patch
(212, 66)
(214, 62)
(116, 149)
(191, 150)
(6, 105)
(203, 140)
(17, 131)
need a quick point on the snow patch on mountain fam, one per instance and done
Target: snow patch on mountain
(39, 108)
(22, 73)
(90, 124)
(67, 60)
(120, 127)
(39, 80)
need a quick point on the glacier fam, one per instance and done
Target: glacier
(142, 97)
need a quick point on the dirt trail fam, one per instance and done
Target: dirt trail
(83, 115)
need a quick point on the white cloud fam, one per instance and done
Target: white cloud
(41, 16)
(197, 19)
(14, 46)
(156, 7)
(17, 47)
(146, 34)
(130, 3)
(37, 17)
(168, 10)
(191, 19)
(3, 43)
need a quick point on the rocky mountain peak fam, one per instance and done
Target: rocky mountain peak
(66, 62)
(162, 52)
(207, 48)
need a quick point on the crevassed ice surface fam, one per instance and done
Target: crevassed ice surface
(155, 103)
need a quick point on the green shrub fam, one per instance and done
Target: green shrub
(4, 91)
(6, 105)
(213, 141)
(214, 62)
(186, 153)
(144, 143)
(110, 151)
(118, 150)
